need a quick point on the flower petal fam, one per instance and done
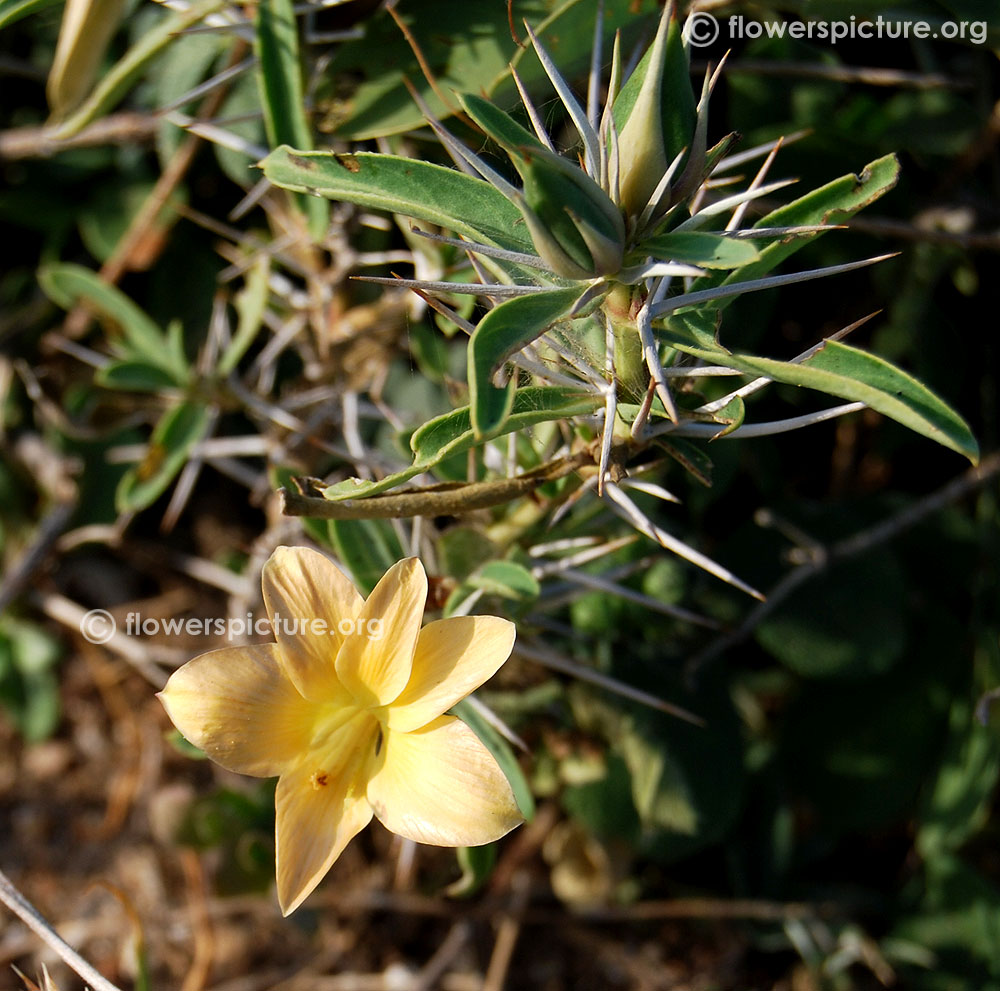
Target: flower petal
(453, 657)
(240, 707)
(374, 664)
(440, 785)
(318, 812)
(312, 607)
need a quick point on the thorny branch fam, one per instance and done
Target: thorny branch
(819, 558)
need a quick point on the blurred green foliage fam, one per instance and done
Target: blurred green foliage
(841, 761)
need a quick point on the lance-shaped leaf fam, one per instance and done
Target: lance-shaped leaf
(415, 189)
(841, 370)
(700, 249)
(279, 77)
(504, 331)
(831, 204)
(452, 433)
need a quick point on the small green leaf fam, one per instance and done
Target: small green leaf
(137, 376)
(502, 332)
(732, 415)
(507, 579)
(176, 433)
(476, 864)
(833, 203)
(420, 190)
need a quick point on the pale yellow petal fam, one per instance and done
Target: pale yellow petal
(319, 810)
(240, 707)
(374, 664)
(440, 785)
(453, 657)
(312, 607)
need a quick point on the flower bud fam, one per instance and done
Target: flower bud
(644, 149)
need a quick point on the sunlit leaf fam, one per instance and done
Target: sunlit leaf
(505, 330)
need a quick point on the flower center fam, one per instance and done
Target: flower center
(345, 741)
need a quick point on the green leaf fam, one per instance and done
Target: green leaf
(833, 203)
(500, 126)
(500, 749)
(502, 332)
(731, 415)
(117, 80)
(432, 193)
(134, 375)
(14, 10)
(368, 549)
(507, 579)
(451, 434)
(29, 690)
(279, 76)
(69, 285)
(841, 370)
(175, 434)
(699, 248)
(476, 864)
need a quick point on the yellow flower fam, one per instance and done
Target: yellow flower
(347, 709)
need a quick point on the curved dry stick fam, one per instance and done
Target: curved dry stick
(446, 499)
